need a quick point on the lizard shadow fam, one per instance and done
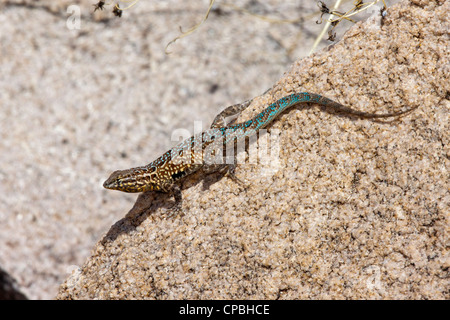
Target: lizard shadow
(146, 204)
(343, 114)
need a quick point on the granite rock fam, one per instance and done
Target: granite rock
(351, 209)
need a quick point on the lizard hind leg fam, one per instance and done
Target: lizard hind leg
(219, 120)
(228, 170)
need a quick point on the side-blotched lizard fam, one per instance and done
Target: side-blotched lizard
(193, 154)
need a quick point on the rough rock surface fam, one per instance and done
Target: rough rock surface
(353, 209)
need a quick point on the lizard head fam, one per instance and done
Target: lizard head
(133, 180)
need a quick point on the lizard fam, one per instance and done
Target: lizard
(196, 152)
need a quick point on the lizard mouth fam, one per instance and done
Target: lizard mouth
(114, 181)
(109, 184)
